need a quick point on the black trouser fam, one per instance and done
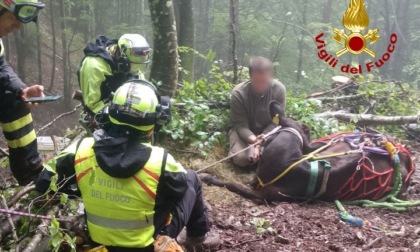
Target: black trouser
(190, 212)
(16, 123)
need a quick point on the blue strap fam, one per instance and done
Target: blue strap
(312, 179)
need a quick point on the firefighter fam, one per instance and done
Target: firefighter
(108, 64)
(136, 196)
(15, 116)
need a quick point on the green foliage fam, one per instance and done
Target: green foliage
(195, 124)
(263, 226)
(4, 162)
(393, 99)
(57, 237)
(51, 167)
(305, 111)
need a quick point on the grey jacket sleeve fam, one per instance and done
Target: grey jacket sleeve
(280, 93)
(238, 116)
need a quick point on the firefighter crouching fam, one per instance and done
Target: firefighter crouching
(136, 195)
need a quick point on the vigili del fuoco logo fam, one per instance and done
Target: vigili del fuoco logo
(356, 40)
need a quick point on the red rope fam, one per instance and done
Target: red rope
(361, 178)
(366, 175)
(412, 168)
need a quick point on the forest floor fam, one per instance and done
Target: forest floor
(299, 226)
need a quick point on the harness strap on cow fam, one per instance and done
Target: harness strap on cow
(314, 178)
(310, 156)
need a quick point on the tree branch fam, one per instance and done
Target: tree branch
(11, 223)
(41, 230)
(27, 189)
(368, 119)
(58, 117)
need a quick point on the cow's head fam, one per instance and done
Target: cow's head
(277, 109)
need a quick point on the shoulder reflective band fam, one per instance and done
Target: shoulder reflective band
(119, 224)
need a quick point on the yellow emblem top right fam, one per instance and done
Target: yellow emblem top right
(356, 20)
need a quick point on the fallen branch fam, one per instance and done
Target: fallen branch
(4, 152)
(340, 98)
(42, 229)
(11, 223)
(27, 189)
(351, 84)
(373, 243)
(369, 119)
(6, 228)
(59, 117)
(211, 105)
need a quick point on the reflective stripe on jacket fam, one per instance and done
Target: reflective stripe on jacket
(119, 211)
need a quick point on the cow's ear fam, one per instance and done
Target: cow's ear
(276, 109)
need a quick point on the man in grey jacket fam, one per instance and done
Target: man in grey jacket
(250, 112)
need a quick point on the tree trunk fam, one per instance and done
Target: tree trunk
(326, 13)
(54, 48)
(186, 38)
(202, 9)
(165, 57)
(21, 53)
(141, 19)
(66, 79)
(233, 39)
(39, 53)
(301, 43)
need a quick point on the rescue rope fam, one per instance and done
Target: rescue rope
(265, 137)
(349, 219)
(37, 216)
(310, 156)
(389, 201)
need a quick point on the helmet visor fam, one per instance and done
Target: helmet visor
(26, 12)
(139, 55)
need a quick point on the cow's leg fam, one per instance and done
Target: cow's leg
(237, 188)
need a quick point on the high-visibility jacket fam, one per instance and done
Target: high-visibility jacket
(99, 75)
(119, 211)
(128, 187)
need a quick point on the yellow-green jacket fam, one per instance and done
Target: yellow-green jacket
(129, 189)
(99, 75)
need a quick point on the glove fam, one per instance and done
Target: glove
(165, 243)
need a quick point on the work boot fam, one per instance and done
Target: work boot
(209, 241)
